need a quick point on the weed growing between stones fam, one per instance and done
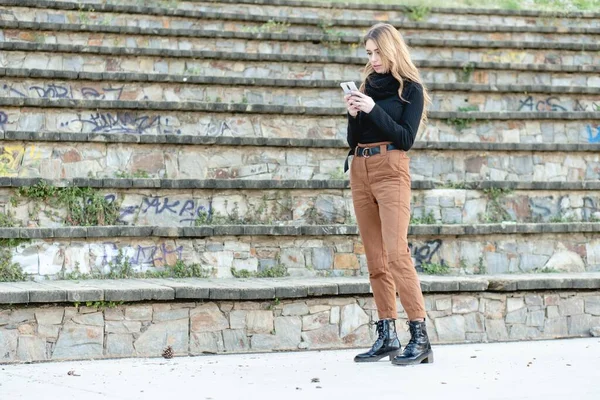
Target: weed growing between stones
(278, 271)
(481, 269)
(418, 13)
(256, 213)
(121, 268)
(84, 206)
(137, 174)
(467, 72)
(546, 270)
(561, 219)
(428, 219)
(84, 14)
(463, 123)
(495, 213)
(268, 27)
(101, 305)
(9, 270)
(456, 185)
(435, 268)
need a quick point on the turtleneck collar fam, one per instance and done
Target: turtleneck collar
(381, 86)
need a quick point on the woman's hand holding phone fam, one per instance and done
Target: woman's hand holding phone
(349, 98)
(352, 109)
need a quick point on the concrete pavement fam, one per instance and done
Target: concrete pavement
(545, 370)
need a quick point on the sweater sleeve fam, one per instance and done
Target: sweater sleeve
(401, 133)
(353, 130)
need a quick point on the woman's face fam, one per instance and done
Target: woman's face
(374, 57)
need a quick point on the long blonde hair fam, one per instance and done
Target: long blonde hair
(395, 58)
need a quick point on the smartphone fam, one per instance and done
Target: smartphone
(347, 87)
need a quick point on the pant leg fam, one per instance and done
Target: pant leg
(393, 193)
(369, 225)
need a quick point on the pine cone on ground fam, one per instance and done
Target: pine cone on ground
(168, 352)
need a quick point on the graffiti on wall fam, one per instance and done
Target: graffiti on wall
(125, 122)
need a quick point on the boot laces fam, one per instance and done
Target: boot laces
(379, 328)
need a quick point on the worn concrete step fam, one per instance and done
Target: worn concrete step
(335, 32)
(271, 205)
(306, 251)
(306, 45)
(59, 160)
(128, 79)
(134, 290)
(297, 184)
(335, 28)
(343, 11)
(226, 90)
(282, 142)
(248, 123)
(277, 66)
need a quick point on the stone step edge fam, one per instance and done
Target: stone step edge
(165, 11)
(258, 108)
(281, 142)
(400, 7)
(286, 83)
(94, 232)
(136, 290)
(348, 39)
(277, 57)
(252, 184)
(321, 37)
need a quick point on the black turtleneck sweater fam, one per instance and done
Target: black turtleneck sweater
(392, 119)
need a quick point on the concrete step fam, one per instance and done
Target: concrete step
(337, 11)
(270, 203)
(304, 250)
(139, 318)
(84, 59)
(150, 122)
(572, 53)
(60, 160)
(446, 97)
(335, 28)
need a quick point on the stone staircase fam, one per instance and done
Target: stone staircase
(205, 140)
(214, 133)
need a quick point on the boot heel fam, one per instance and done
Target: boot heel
(394, 355)
(428, 359)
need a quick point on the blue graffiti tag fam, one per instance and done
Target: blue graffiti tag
(591, 137)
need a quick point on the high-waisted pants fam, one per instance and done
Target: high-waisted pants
(381, 196)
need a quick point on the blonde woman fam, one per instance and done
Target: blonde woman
(383, 119)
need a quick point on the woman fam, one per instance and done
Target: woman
(383, 120)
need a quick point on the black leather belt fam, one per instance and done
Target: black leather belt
(367, 152)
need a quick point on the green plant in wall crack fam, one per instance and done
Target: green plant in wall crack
(466, 72)
(495, 212)
(277, 271)
(84, 206)
(463, 123)
(7, 220)
(270, 26)
(9, 270)
(435, 268)
(418, 13)
(136, 174)
(428, 219)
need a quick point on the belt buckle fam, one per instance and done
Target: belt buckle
(366, 152)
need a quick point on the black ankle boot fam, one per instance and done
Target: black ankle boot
(418, 350)
(386, 345)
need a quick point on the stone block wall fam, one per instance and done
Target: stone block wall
(106, 330)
